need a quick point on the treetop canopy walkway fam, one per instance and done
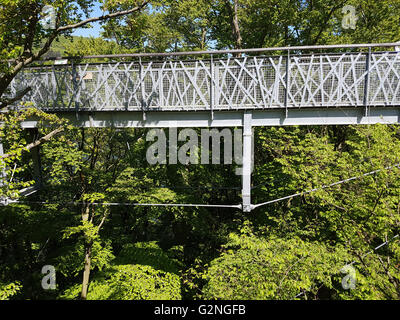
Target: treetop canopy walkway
(358, 84)
(289, 85)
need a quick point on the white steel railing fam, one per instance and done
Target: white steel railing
(290, 79)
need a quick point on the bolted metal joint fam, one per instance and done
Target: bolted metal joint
(247, 207)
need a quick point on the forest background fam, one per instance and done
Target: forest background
(292, 247)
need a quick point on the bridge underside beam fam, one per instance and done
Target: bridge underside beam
(267, 117)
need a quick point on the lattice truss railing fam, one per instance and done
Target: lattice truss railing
(316, 80)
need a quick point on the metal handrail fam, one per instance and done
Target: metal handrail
(232, 51)
(258, 85)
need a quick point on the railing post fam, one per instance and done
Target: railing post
(287, 80)
(54, 85)
(321, 76)
(75, 87)
(160, 89)
(366, 83)
(126, 94)
(216, 84)
(212, 84)
(142, 88)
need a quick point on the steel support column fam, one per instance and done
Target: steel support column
(247, 161)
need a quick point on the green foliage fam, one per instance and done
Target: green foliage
(144, 32)
(15, 139)
(296, 245)
(271, 268)
(376, 277)
(131, 282)
(70, 262)
(173, 25)
(359, 214)
(142, 271)
(365, 206)
(9, 290)
(21, 27)
(147, 253)
(137, 185)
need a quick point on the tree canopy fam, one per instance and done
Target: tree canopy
(292, 249)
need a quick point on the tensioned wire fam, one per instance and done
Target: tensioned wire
(110, 204)
(236, 206)
(325, 186)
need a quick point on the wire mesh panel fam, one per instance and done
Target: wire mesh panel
(316, 80)
(384, 85)
(51, 86)
(250, 83)
(113, 86)
(178, 85)
(327, 80)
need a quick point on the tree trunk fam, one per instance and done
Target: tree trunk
(203, 38)
(88, 257)
(86, 271)
(236, 28)
(233, 13)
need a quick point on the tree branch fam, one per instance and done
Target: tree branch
(5, 102)
(103, 17)
(325, 23)
(37, 142)
(103, 219)
(59, 30)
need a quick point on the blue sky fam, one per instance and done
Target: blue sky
(96, 28)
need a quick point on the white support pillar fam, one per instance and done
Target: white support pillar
(247, 161)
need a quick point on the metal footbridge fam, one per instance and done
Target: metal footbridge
(314, 85)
